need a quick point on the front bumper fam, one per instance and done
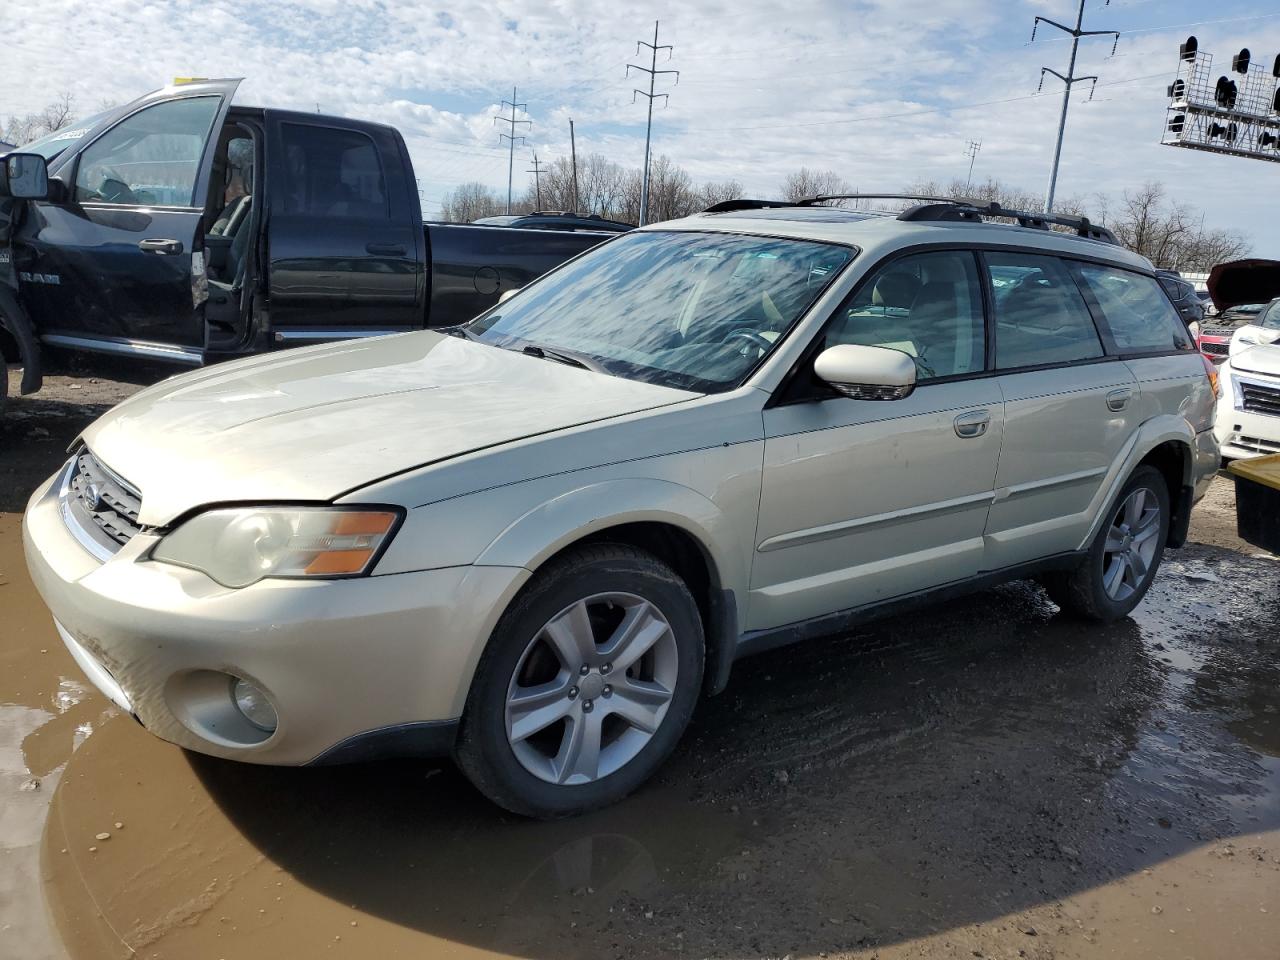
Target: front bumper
(1244, 433)
(345, 663)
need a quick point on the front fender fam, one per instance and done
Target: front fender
(551, 526)
(14, 319)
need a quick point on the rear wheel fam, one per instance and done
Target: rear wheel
(587, 683)
(1124, 556)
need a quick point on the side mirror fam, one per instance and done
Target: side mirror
(508, 294)
(867, 373)
(24, 176)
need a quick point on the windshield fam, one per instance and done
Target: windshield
(52, 144)
(1270, 318)
(695, 311)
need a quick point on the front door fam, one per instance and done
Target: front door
(867, 500)
(111, 268)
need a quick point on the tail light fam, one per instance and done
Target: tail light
(1211, 371)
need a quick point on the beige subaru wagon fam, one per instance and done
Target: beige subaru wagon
(535, 540)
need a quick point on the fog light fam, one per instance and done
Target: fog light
(254, 705)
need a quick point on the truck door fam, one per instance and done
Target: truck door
(344, 235)
(111, 267)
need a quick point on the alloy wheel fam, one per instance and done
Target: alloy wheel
(591, 688)
(1131, 544)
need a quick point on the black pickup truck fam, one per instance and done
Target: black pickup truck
(182, 228)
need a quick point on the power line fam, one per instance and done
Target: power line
(511, 137)
(1068, 81)
(653, 72)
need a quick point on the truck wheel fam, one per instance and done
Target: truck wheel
(1124, 556)
(587, 683)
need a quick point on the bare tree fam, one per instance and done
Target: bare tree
(813, 183)
(33, 126)
(1170, 233)
(717, 192)
(471, 201)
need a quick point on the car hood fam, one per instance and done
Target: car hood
(313, 424)
(1244, 281)
(1263, 359)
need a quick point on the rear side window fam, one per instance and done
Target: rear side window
(332, 173)
(1137, 312)
(1041, 316)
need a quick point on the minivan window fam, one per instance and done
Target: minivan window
(695, 311)
(928, 306)
(332, 173)
(1137, 312)
(152, 157)
(1041, 317)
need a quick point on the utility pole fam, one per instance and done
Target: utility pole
(573, 152)
(537, 182)
(653, 72)
(971, 149)
(1068, 82)
(511, 137)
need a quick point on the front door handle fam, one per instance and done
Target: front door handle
(972, 424)
(1117, 400)
(165, 248)
(385, 249)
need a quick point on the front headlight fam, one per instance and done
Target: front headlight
(240, 546)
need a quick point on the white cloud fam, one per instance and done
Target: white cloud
(764, 87)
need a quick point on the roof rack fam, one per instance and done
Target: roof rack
(939, 209)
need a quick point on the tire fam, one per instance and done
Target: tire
(542, 695)
(1099, 589)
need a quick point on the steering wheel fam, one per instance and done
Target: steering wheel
(757, 340)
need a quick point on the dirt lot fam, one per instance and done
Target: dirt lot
(984, 779)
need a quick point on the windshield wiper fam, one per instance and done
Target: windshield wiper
(560, 356)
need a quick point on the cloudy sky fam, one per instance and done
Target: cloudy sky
(882, 91)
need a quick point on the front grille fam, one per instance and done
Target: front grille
(1259, 397)
(1215, 349)
(1256, 444)
(99, 507)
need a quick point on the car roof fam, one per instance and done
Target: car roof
(881, 233)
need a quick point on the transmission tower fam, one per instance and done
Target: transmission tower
(971, 151)
(1068, 82)
(537, 182)
(653, 72)
(511, 137)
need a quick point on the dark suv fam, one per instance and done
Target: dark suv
(1183, 294)
(557, 220)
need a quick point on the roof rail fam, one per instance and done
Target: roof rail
(728, 206)
(969, 210)
(812, 201)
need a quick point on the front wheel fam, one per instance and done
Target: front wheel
(1124, 556)
(589, 680)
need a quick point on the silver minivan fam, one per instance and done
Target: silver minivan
(535, 540)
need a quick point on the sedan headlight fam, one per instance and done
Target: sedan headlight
(240, 546)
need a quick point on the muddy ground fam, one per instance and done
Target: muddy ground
(982, 779)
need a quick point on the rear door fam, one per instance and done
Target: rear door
(111, 269)
(1070, 409)
(345, 237)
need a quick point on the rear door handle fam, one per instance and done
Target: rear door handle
(385, 249)
(166, 248)
(1117, 400)
(972, 424)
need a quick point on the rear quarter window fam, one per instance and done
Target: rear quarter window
(1136, 310)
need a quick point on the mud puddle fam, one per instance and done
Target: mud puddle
(981, 779)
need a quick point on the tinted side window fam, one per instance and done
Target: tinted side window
(929, 306)
(153, 157)
(1136, 310)
(1040, 315)
(332, 173)
(1270, 318)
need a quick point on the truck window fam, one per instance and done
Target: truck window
(332, 173)
(152, 157)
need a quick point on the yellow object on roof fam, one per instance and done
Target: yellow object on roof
(1263, 470)
(179, 81)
